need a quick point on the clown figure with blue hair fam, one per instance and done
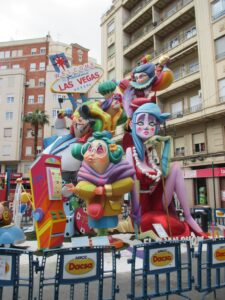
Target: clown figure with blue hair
(157, 180)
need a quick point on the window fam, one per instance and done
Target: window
(177, 109)
(222, 90)
(112, 74)
(2, 54)
(16, 66)
(171, 11)
(42, 66)
(10, 99)
(193, 67)
(31, 82)
(42, 50)
(111, 50)
(29, 133)
(111, 27)
(40, 98)
(218, 9)
(3, 67)
(195, 103)
(32, 66)
(6, 150)
(190, 32)
(28, 151)
(33, 51)
(54, 112)
(30, 99)
(39, 149)
(179, 149)
(7, 54)
(174, 42)
(9, 115)
(41, 82)
(198, 142)
(220, 47)
(7, 132)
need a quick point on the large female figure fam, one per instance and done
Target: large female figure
(157, 183)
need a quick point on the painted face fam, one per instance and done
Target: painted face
(145, 126)
(81, 126)
(96, 156)
(141, 77)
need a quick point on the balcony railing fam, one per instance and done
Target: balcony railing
(185, 71)
(191, 109)
(218, 15)
(181, 38)
(175, 9)
(220, 55)
(179, 153)
(222, 99)
(136, 10)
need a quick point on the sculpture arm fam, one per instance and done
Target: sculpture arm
(85, 190)
(119, 187)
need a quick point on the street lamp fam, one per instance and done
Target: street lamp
(214, 189)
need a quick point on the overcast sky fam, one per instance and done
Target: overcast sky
(69, 21)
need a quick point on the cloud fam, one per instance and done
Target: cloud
(69, 21)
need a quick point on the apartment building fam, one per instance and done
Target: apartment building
(192, 33)
(26, 76)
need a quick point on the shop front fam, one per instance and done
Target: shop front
(208, 186)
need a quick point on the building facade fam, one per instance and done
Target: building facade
(192, 33)
(26, 75)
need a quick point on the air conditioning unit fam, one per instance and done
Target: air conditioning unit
(200, 93)
(27, 83)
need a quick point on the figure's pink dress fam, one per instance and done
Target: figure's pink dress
(152, 210)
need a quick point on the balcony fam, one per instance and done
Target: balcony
(189, 110)
(172, 47)
(129, 4)
(222, 99)
(178, 17)
(138, 16)
(143, 38)
(140, 41)
(185, 77)
(218, 15)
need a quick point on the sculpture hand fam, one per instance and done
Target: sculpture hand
(99, 190)
(70, 187)
(156, 139)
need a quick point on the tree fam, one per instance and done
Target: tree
(37, 119)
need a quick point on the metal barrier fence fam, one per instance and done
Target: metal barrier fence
(210, 266)
(161, 261)
(157, 269)
(82, 270)
(12, 273)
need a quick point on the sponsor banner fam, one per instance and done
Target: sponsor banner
(218, 254)
(220, 213)
(80, 266)
(6, 267)
(162, 259)
(77, 79)
(204, 173)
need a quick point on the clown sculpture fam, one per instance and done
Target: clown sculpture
(103, 179)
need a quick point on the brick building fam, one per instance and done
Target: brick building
(25, 79)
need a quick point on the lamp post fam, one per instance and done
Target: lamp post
(214, 188)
